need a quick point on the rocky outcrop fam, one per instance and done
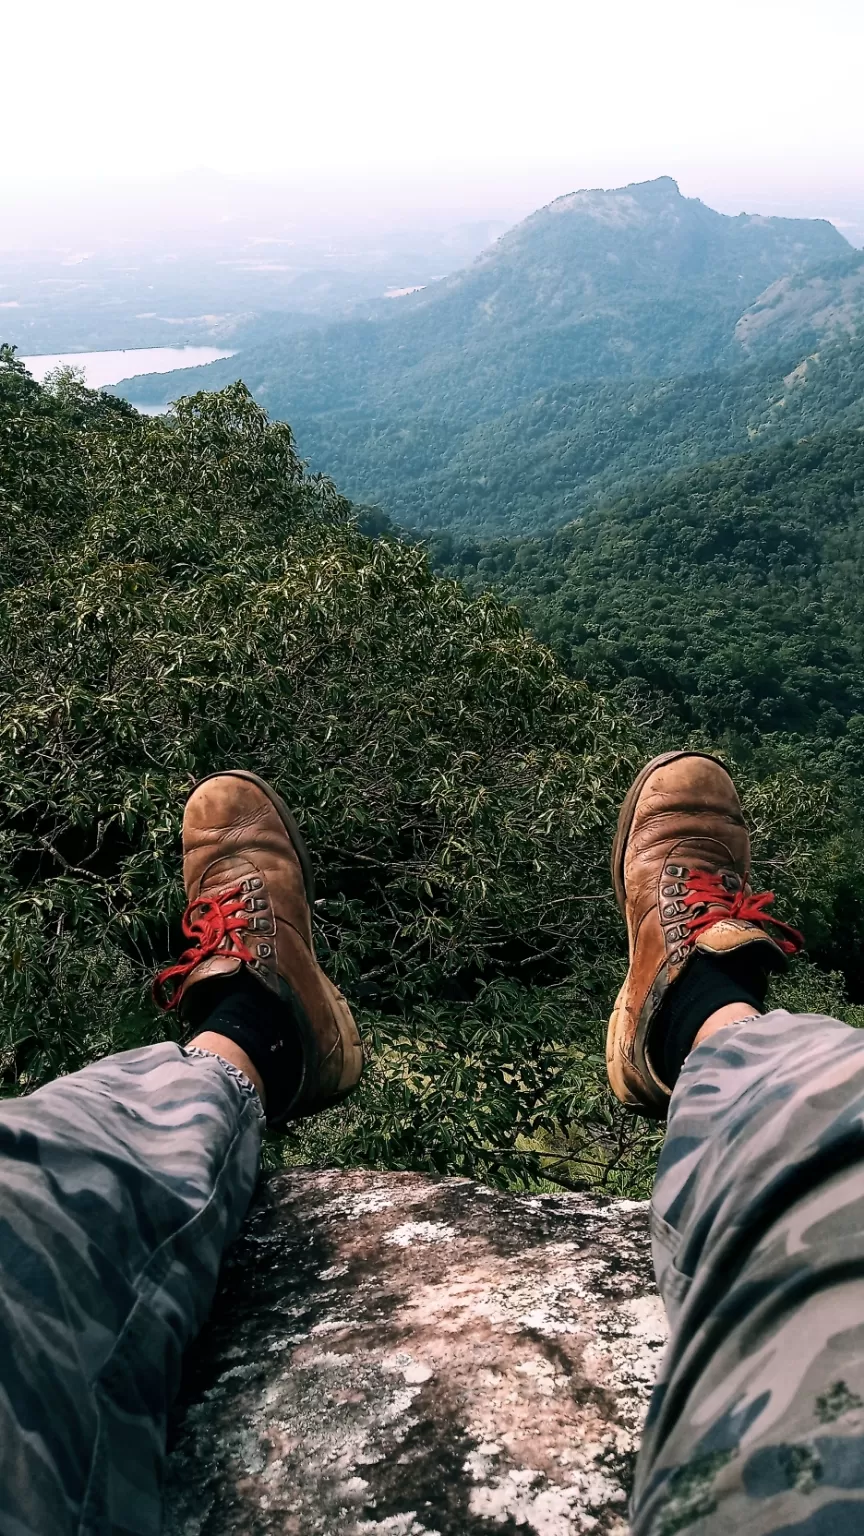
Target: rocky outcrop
(395, 1355)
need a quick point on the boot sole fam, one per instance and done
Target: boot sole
(352, 1045)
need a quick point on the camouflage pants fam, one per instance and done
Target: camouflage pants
(120, 1187)
(757, 1422)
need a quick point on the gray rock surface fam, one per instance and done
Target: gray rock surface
(395, 1355)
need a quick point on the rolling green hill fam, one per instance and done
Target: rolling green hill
(805, 309)
(735, 590)
(727, 601)
(547, 459)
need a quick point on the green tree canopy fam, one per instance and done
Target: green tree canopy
(178, 594)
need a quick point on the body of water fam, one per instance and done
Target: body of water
(102, 368)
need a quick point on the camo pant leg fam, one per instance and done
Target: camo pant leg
(757, 1422)
(120, 1187)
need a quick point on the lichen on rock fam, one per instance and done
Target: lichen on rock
(397, 1355)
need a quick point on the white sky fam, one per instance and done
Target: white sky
(612, 89)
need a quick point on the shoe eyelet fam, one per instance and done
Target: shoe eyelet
(675, 870)
(265, 951)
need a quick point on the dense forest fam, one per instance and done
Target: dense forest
(178, 593)
(735, 590)
(560, 453)
(726, 601)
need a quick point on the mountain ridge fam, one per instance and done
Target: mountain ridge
(581, 327)
(531, 279)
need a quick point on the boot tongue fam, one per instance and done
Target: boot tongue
(729, 934)
(721, 902)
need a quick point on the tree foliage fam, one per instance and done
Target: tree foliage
(560, 453)
(728, 602)
(736, 591)
(178, 594)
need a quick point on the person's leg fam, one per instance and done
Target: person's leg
(121, 1185)
(757, 1421)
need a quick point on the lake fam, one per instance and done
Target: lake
(109, 367)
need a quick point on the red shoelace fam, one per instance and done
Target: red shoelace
(208, 922)
(708, 892)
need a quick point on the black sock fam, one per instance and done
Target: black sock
(264, 1026)
(707, 984)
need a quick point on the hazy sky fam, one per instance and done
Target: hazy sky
(616, 89)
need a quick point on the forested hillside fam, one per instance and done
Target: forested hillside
(546, 460)
(803, 308)
(731, 598)
(610, 333)
(177, 594)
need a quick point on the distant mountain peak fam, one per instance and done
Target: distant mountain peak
(608, 205)
(654, 191)
(651, 226)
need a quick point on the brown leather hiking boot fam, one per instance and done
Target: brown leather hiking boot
(681, 870)
(250, 891)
